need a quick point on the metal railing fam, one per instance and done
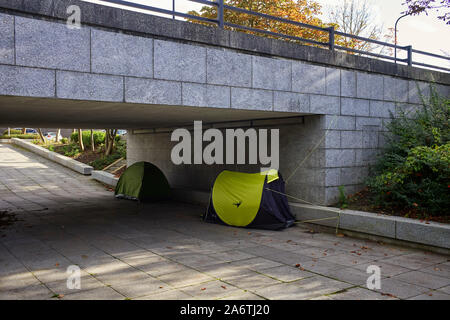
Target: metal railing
(221, 7)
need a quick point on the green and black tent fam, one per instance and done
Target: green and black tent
(143, 181)
(252, 200)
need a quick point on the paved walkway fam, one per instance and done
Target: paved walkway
(164, 251)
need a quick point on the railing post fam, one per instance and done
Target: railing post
(220, 13)
(409, 60)
(331, 38)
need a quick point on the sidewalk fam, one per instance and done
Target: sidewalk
(164, 251)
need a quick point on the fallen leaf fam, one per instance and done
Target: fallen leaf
(223, 287)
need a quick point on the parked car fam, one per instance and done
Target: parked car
(121, 132)
(52, 136)
(28, 130)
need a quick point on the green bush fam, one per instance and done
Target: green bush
(21, 136)
(414, 171)
(12, 131)
(69, 150)
(99, 164)
(99, 137)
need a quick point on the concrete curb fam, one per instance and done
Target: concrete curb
(9, 140)
(105, 177)
(404, 229)
(396, 228)
(56, 157)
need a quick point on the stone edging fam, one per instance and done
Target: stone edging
(56, 157)
(9, 140)
(105, 177)
(399, 229)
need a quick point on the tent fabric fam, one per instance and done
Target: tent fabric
(252, 200)
(143, 181)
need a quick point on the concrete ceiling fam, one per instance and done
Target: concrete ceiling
(59, 113)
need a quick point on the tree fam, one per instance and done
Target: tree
(80, 139)
(357, 18)
(416, 7)
(304, 11)
(58, 133)
(92, 140)
(110, 137)
(41, 135)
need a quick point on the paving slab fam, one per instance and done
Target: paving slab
(287, 273)
(359, 294)
(303, 289)
(432, 295)
(251, 280)
(423, 279)
(211, 290)
(400, 289)
(184, 278)
(102, 293)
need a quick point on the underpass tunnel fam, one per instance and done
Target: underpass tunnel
(149, 129)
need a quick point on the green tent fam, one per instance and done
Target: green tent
(252, 200)
(143, 181)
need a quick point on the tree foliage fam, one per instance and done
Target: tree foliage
(304, 11)
(424, 6)
(414, 171)
(357, 18)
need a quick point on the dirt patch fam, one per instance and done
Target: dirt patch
(361, 202)
(88, 156)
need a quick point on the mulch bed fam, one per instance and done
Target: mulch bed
(88, 156)
(361, 202)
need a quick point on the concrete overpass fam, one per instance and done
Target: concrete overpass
(146, 73)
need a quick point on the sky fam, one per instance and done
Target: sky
(426, 33)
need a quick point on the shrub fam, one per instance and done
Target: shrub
(99, 164)
(12, 131)
(99, 137)
(421, 181)
(414, 171)
(343, 203)
(69, 150)
(21, 136)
